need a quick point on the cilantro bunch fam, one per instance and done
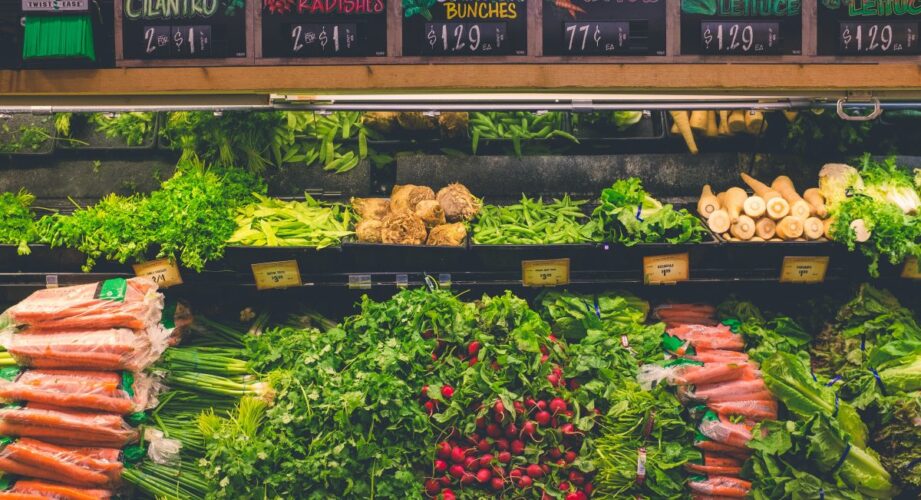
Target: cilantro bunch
(17, 221)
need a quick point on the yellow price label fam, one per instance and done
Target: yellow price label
(803, 269)
(666, 269)
(164, 272)
(912, 269)
(281, 274)
(545, 272)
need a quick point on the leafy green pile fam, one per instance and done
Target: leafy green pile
(763, 338)
(533, 222)
(273, 222)
(17, 220)
(133, 128)
(190, 218)
(888, 181)
(627, 214)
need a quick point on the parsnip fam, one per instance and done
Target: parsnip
(756, 238)
(712, 128)
(744, 228)
(708, 203)
(776, 207)
(733, 201)
(798, 206)
(813, 228)
(790, 228)
(861, 232)
(718, 222)
(698, 120)
(827, 231)
(814, 197)
(737, 122)
(684, 127)
(754, 122)
(724, 123)
(766, 228)
(754, 206)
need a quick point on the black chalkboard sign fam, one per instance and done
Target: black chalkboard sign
(203, 29)
(604, 28)
(465, 27)
(324, 28)
(741, 27)
(862, 28)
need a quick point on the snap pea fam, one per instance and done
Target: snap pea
(533, 222)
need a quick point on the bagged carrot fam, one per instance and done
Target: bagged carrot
(116, 303)
(89, 467)
(689, 372)
(65, 427)
(107, 350)
(28, 489)
(114, 392)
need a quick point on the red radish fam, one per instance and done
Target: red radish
(544, 358)
(429, 407)
(574, 384)
(554, 379)
(561, 463)
(445, 480)
(517, 447)
(541, 405)
(447, 494)
(457, 455)
(545, 468)
(545, 496)
(511, 430)
(534, 470)
(505, 457)
(519, 408)
(574, 496)
(481, 422)
(474, 438)
(447, 391)
(570, 456)
(473, 348)
(425, 391)
(428, 334)
(564, 486)
(525, 482)
(557, 405)
(528, 429)
(483, 475)
(483, 445)
(568, 413)
(543, 350)
(588, 488)
(457, 471)
(432, 486)
(441, 465)
(499, 410)
(493, 431)
(542, 417)
(472, 361)
(515, 474)
(444, 450)
(468, 479)
(569, 430)
(576, 477)
(485, 459)
(435, 358)
(495, 366)
(555, 452)
(497, 483)
(502, 444)
(530, 402)
(471, 464)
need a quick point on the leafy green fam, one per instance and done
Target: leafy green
(134, 128)
(886, 181)
(788, 378)
(17, 220)
(627, 214)
(897, 438)
(763, 338)
(573, 315)
(893, 234)
(273, 222)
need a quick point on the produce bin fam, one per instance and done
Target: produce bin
(37, 130)
(82, 131)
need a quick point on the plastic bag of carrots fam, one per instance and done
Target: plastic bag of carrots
(85, 467)
(65, 427)
(114, 392)
(105, 350)
(33, 490)
(116, 303)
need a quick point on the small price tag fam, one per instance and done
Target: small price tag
(359, 282)
(51, 281)
(545, 272)
(164, 272)
(281, 274)
(666, 269)
(803, 269)
(912, 269)
(402, 280)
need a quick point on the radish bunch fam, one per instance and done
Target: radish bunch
(279, 6)
(534, 444)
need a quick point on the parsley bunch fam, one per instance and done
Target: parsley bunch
(17, 221)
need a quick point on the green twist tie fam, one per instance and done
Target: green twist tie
(733, 324)
(136, 418)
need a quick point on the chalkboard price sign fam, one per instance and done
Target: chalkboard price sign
(465, 38)
(162, 30)
(739, 38)
(457, 28)
(329, 28)
(741, 27)
(865, 28)
(882, 38)
(604, 28)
